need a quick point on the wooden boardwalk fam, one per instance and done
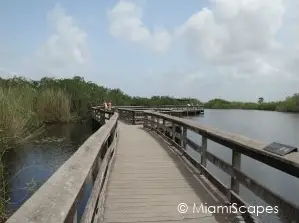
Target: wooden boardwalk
(142, 173)
(148, 182)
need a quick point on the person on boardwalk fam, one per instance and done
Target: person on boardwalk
(105, 105)
(109, 105)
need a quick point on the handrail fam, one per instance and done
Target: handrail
(136, 116)
(56, 200)
(289, 164)
(151, 107)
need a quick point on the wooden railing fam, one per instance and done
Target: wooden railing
(167, 127)
(131, 116)
(174, 107)
(101, 114)
(57, 199)
(151, 107)
(136, 116)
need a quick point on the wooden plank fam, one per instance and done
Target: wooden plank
(55, 199)
(98, 185)
(245, 146)
(100, 208)
(147, 182)
(254, 149)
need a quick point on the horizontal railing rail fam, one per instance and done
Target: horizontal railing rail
(166, 126)
(133, 116)
(57, 199)
(150, 107)
(101, 115)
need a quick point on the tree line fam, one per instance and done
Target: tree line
(83, 94)
(27, 105)
(290, 104)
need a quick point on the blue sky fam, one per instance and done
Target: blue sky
(234, 49)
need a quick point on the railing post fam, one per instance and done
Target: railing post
(102, 118)
(144, 120)
(173, 131)
(152, 122)
(236, 164)
(134, 118)
(164, 127)
(184, 138)
(72, 215)
(204, 143)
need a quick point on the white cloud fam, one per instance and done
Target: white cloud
(292, 53)
(126, 22)
(237, 35)
(65, 52)
(245, 46)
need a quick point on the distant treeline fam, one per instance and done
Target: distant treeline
(290, 104)
(50, 95)
(26, 105)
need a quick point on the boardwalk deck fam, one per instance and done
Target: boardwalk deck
(148, 181)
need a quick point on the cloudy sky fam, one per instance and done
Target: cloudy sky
(233, 49)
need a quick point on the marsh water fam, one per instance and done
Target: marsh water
(263, 126)
(31, 165)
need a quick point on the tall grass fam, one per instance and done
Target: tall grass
(53, 105)
(17, 116)
(23, 110)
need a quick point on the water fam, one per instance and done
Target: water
(31, 165)
(266, 127)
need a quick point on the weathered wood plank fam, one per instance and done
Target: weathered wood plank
(99, 184)
(240, 145)
(147, 182)
(56, 199)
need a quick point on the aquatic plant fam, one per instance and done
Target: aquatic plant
(53, 105)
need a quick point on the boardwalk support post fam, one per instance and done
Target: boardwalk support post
(184, 138)
(203, 158)
(236, 166)
(173, 131)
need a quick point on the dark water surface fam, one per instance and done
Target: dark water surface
(263, 126)
(31, 165)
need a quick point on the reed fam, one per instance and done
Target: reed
(23, 111)
(53, 105)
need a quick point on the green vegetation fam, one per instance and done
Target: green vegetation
(26, 105)
(290, 104)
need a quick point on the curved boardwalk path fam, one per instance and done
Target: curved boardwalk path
(148, 181)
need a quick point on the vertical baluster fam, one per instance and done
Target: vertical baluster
(72, 215)
(152, 122)
(134, 117)
(203, 151)
(173, 131)
(184, 137)
(236, 164)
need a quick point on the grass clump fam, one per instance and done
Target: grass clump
(23, 111)
(53, 106)
(17, 123)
